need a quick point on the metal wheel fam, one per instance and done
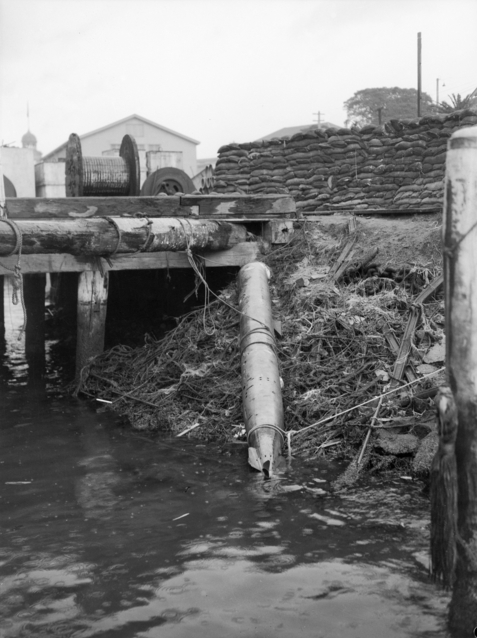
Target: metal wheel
(167, 181)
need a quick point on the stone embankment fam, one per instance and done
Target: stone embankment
(396, 166)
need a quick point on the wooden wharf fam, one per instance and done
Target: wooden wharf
(95, 235)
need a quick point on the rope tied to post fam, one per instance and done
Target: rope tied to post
(198, 267)
(120, 236)
(450, 251)
(17, 277)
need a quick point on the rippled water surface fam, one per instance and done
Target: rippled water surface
(108, 532)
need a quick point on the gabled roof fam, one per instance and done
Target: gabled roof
(288, 131)
(125, 119)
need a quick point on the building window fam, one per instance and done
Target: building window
(163, 159)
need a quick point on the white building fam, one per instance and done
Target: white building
(18, 171)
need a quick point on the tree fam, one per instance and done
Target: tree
(457, 103)
(366, 105)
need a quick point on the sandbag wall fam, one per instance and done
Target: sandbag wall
(399, 165)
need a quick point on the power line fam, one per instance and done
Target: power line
(319, 116)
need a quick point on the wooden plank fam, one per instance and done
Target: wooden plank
(406, 343)
(84, 207)
(92, 305)
(345, 257)
(242, 206)
(391, 211)
(233, 206)
(316, 215)
(394, 345)
(238, 255)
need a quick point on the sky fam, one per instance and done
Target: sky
(219, 71)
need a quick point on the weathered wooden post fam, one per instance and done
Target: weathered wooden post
(460, 278)
(2, 213)
(34, 297)
(92, 306)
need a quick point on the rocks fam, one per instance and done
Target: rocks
(397, 166)
(396, 444)
(421, 464)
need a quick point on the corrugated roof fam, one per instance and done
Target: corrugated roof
(125, 119)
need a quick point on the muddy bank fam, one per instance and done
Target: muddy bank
(344, 290)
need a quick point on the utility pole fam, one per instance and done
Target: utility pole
(318, 115)
(437, 91)
(419, 87)
(380, 110)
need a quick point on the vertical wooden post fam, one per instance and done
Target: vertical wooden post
(460, 278)
(2, 213)
(2, 312)
(34, 297)
(92, 305)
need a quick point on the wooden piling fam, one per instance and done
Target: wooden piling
(34, 298)
(91, 317)
(460, 279)
(2, 311)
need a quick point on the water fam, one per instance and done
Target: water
(107, 532)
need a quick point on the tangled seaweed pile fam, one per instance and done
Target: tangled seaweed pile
(337, 351)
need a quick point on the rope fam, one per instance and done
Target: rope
(335, 416)
(17, 277)
(450, 251)
(120, 235)
(192, 261)
(149, 237)
(18, 237)
(197, 267)
(266, 425)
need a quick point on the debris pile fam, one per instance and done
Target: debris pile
(345, 323)
(397, 166)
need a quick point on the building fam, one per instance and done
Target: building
(29, 141)
(157, 145)
(288, 131)
(18, 167)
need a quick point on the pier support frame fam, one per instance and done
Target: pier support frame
(91, 317)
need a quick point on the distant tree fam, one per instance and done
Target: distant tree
(457, 103)
(393, 103)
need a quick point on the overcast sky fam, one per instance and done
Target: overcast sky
(219, 70)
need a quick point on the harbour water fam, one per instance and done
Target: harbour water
(108, 532)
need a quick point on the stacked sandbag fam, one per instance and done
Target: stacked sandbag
(396, 166)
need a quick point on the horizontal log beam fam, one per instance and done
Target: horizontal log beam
(223, 206)
(99, 236)
(238, 255)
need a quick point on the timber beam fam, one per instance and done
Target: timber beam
(110, 236)
(214, 206)
(238, 255)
